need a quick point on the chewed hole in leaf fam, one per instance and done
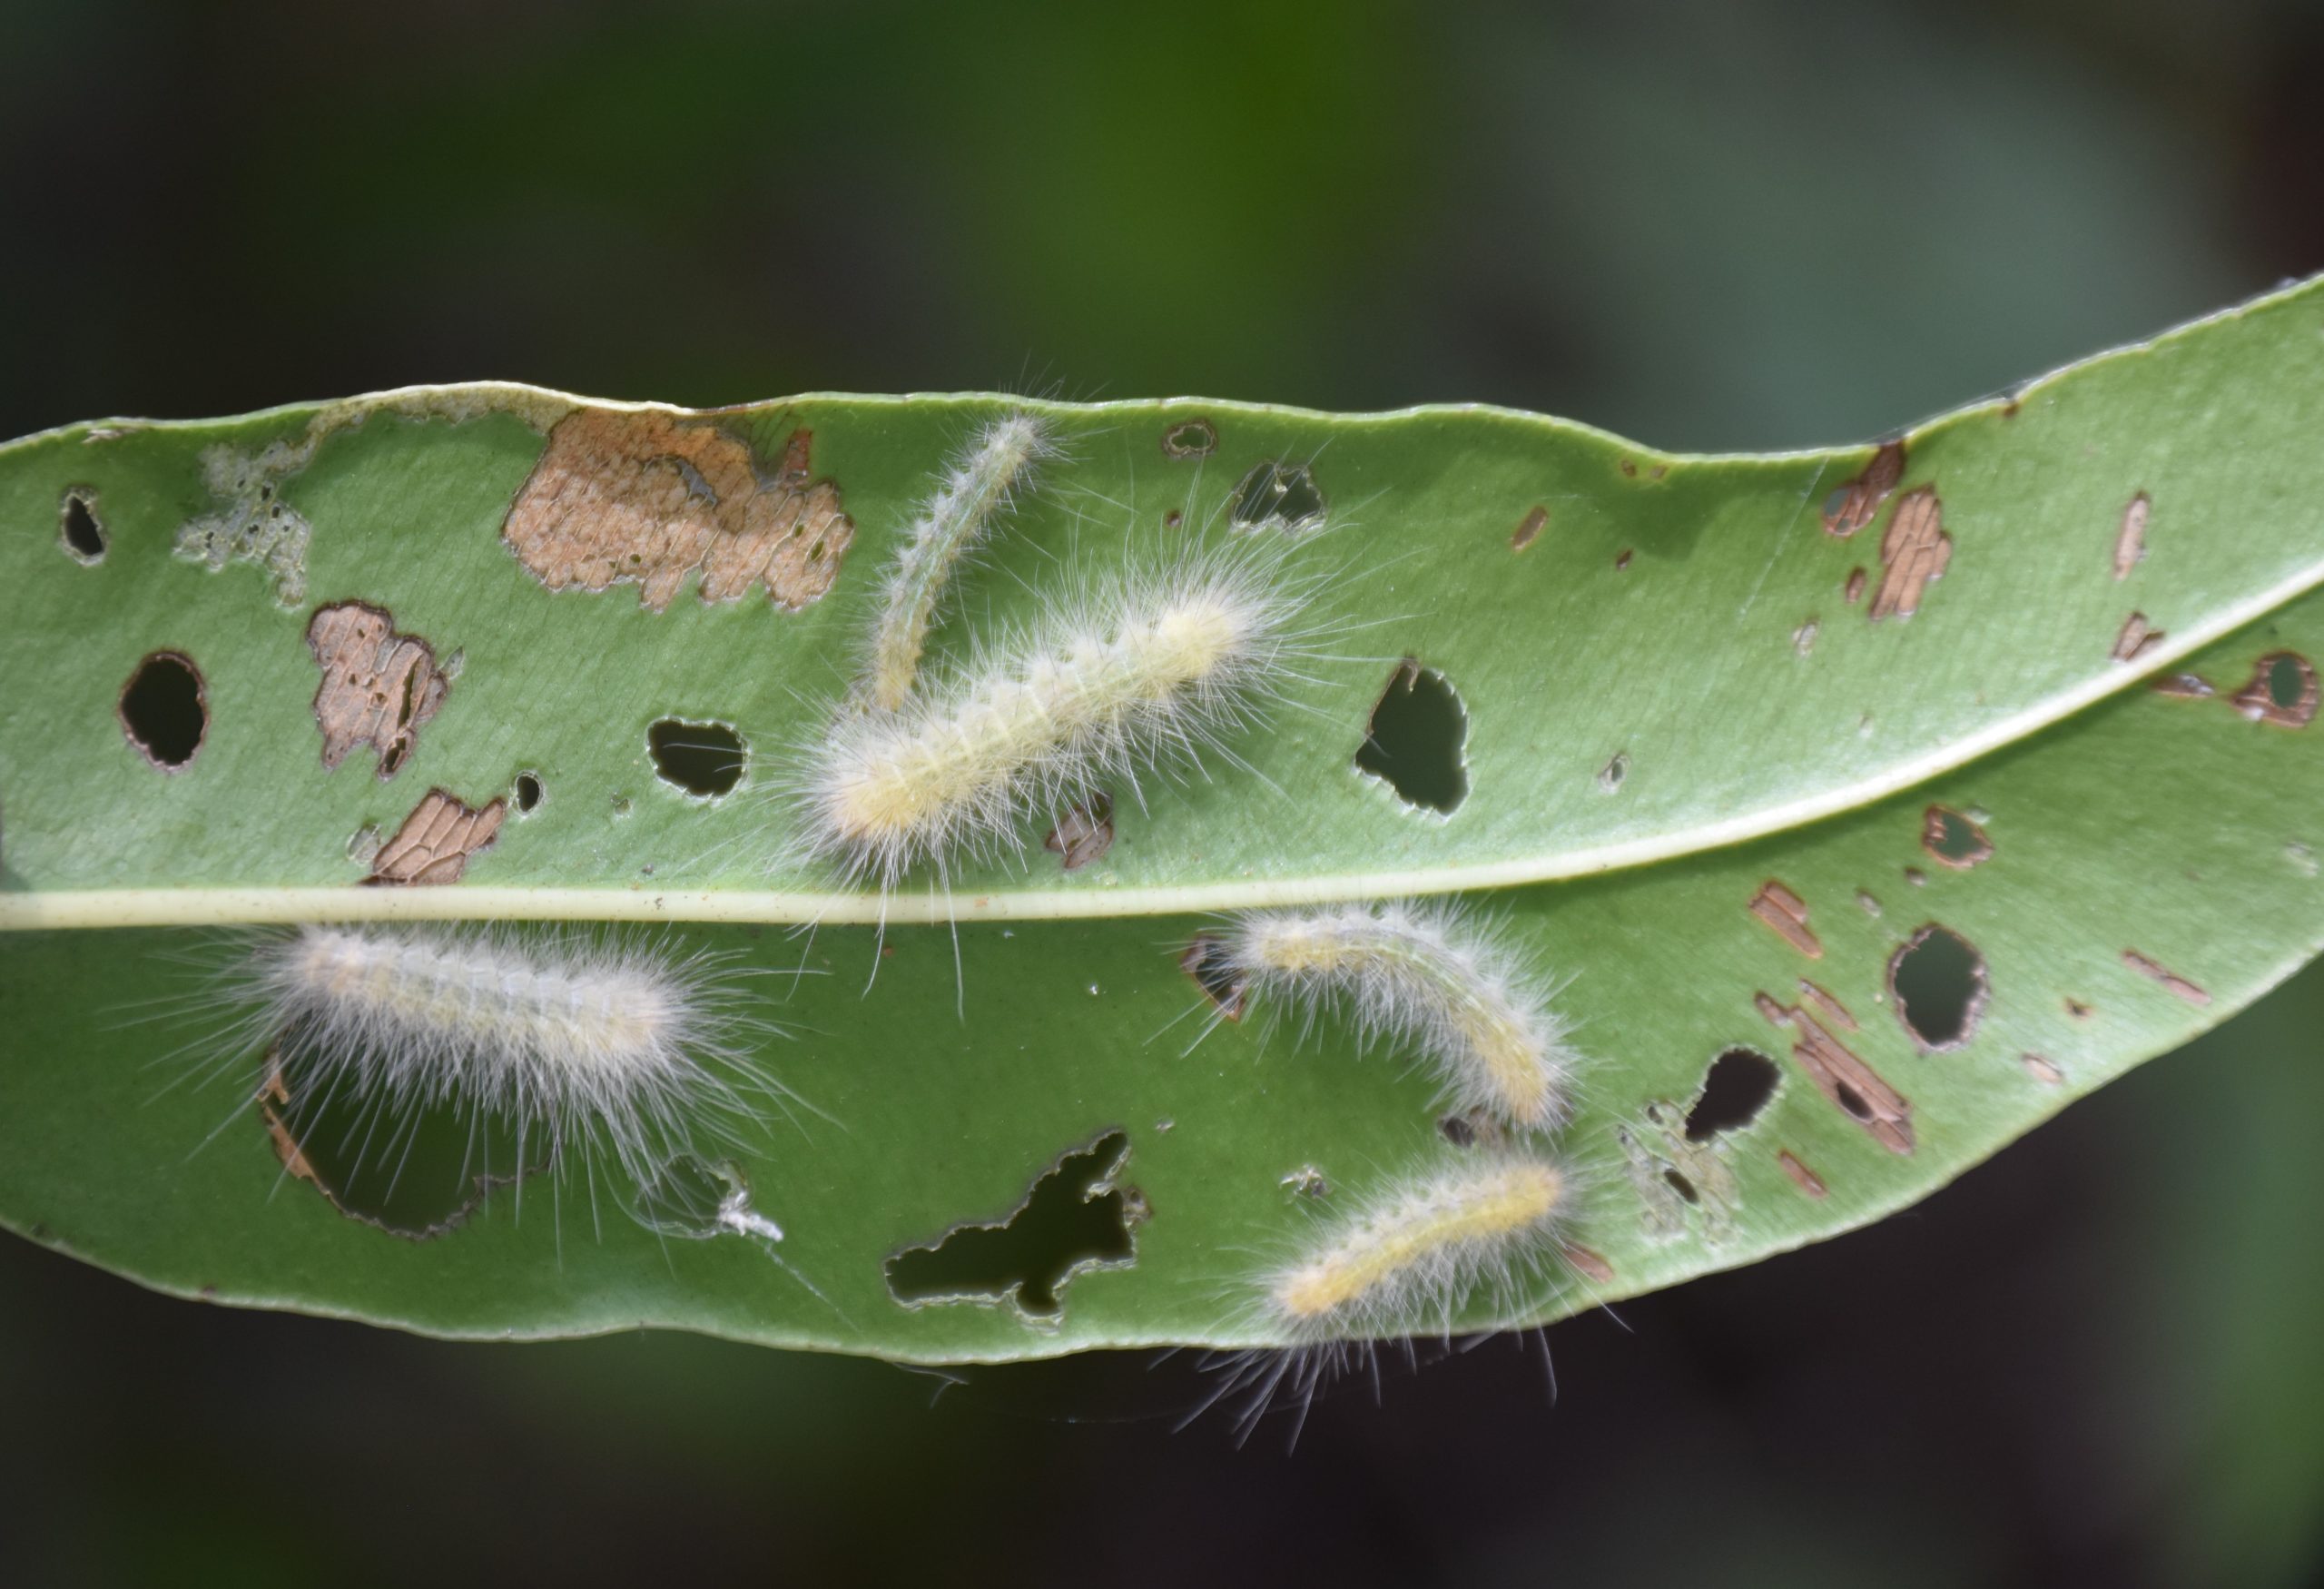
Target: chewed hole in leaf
(418, 1174)
(1281, 494)
(1417, 740)
(1736, 1088)
(1073, 1218)
(79, 529)
(1208, 963)
(528, 793)
(1953, 840)
(165, 710)
(1938, 987)
(704, 759)
(1189, 439)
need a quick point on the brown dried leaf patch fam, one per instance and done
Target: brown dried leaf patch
(647, 498)
(378, 686)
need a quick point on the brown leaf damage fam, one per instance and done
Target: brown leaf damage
(2282, 693)
(378, 686)
(1806, 1180)
(1913, 551)
(647, 498)
(435, 842)
(1853, 1086)
(1857, 503)
(1787, 914)
(1083, 834)
(2172, 982)
(2138, 637)
(2129, 539)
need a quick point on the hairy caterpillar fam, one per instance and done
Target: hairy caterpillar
(1419, 973)
(1420, 1249)
(976, 492)
(1403, 1264)
(587, 1041)
(1149, 664)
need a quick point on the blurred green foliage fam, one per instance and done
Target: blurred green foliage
(1702, 225)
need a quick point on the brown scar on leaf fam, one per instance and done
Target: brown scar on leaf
(2041, 1070)
(1787, 914)
(2077, 1009)
(2172, 982)
(2183, 686)
(1589, 1264)
(1941, 829)
(1802, 638)
(646, 498)
(2130, 541)
(1083, 834)
(435, 842)
(1529, 530)
(1855, 1088)
(2258, 699)
(1860, 498)
(378, 686)
(1622, 560)
(2137, 638)
(273, 1098)
(1806, 1180)
(1853, 589)
(1913, 551)
(1832, 1009)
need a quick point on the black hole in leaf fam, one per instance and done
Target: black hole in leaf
(391, 760)
(2287, 681)
(702, 758)
(1457, 1130)
(528, 791)
(164, 710)
(1069, 1220)
(1284, 494)
(84, 538)
(1953, 838)
(1938, 979)
(1681, 1185)
(1418, 734)
(1852, 1100)
(1206, 960)
(1734, 1089)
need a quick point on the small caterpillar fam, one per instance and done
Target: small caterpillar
(591, 1040)
(1417, 972)
(1401, 1266)
(976, 492)
(1140, 666)
(1421, 1250)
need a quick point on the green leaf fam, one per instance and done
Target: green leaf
(1668, 667)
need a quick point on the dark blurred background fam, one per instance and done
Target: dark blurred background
(1707, 225)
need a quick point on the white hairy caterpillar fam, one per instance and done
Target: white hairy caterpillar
(1403, 1264)
(1421, 974)
(582, 1041)
(1141, 667)
(976, 491)
(1413, 1255)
